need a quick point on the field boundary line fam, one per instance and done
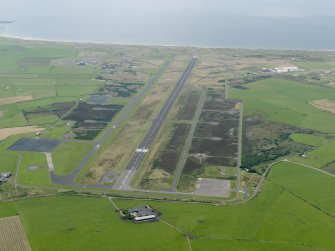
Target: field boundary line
(189, 242)
(259, 241)
(304, 200)
(171, 226)
(310, 167)
(111, 200)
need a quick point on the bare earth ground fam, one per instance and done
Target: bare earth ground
(12, 235)
(6, 132)
(16, 99)
(324, 104)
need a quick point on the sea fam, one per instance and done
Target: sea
(268, 24)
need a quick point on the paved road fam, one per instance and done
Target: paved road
(188, 142)
(69, 179)
(311, 167)
(239, 149)
(50, 162)
(123, 182)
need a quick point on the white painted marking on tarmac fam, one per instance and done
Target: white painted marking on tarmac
(142, 150)
(125, 179)
(49, 161)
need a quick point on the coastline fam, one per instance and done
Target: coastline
(157, 45)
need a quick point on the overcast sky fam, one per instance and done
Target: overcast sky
(292, 8)
(246, 23)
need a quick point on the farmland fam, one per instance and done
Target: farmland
(67, 93)
(12, 235)
(318, 157)
(308, 139)
(287, 102)
(251, 149)
(285, 201)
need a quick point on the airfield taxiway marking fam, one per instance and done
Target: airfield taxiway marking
(49, 161)
(138, 156)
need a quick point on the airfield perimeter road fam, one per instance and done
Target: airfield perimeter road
(123, 181)
(188, 142)
(69, 179)
(239, 150)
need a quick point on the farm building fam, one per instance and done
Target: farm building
(142, 213)
(282, 69)
(5, 176)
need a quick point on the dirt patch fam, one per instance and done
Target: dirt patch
(158, 174)
(215, 117)
(91, 119)
(192, 163)
(58, 109)
(6, 132)
(324, 104)
(12, 235)
(189, 106)
(120, 89)
(168, 159)
(225, 129)
(35, 61)
(102, 113)
(157, 179)
(16, 99)
(179, 136)
(33, 168)
(146, 109)
(220, 104)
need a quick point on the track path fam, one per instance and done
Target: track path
(69, 179)
(188, 141)
(125, 178)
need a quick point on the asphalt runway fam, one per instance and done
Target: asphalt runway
(123, 182)
(69, 179)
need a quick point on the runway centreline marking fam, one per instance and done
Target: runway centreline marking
(137, 157)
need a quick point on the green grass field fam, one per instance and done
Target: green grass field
(315, 187)
(315, 65)
(287, 102)
(285, 216)
(294, 210)
(68, 155)
(27, 70)
(75, 223)
(245, 245)
(38, 177)
(8, 163)
(219, 172)
(318, 157)
(308, 139)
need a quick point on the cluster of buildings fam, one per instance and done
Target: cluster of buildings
(282, 69)
(4, 177)
(141, 214)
